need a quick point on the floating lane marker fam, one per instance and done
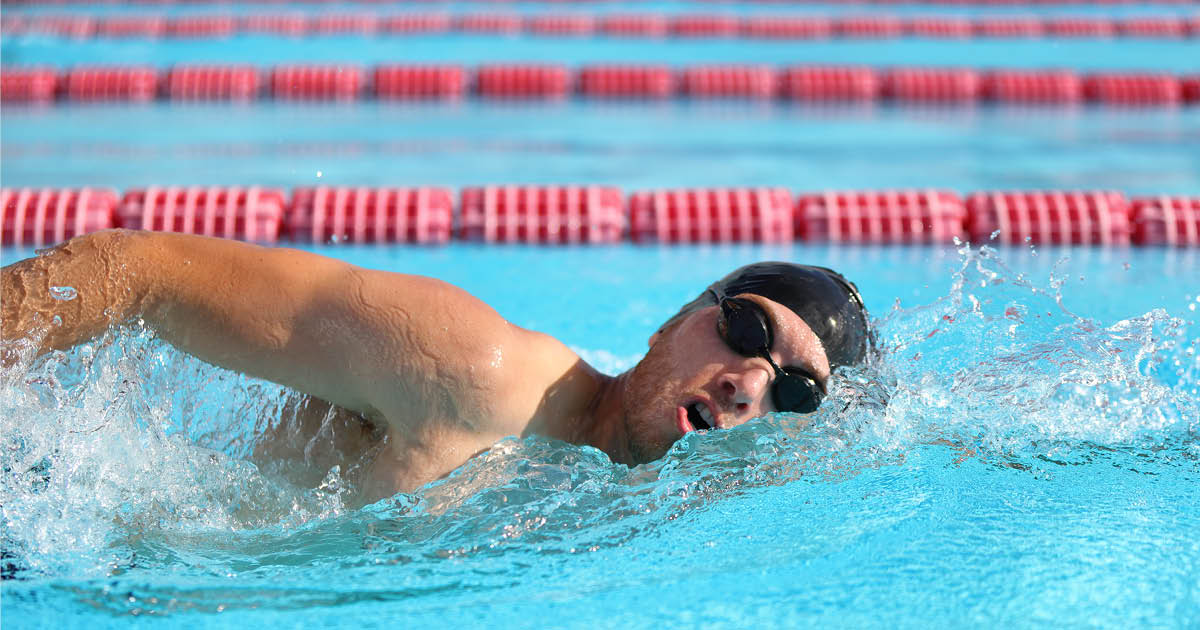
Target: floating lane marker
(579, 24)
(589, 214)
(422, 215)
(551, 82)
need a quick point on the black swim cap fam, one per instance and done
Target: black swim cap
(826, 301)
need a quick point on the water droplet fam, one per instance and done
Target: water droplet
(57, 321)
(318, 174)
(64, 294)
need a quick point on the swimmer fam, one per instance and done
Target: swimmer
(431, 374)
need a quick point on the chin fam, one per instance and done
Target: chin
(645, 446)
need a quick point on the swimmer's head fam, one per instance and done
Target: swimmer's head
(701, 373)
(826, 301)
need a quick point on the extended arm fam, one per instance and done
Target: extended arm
(365, 340)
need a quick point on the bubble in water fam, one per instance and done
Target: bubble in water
(65, 294)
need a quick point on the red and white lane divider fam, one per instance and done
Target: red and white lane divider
(370, 215)
(626, 82)
(212, 83)
(245, 214)
(522, 82)
(731, 81)
(1053, 218)
(581, 24)
(552, 215)
(93, 84)
(892, 216)
(571, 215)
(716, 215)
(37, 217)
(829, 83)
(395, 83)
(1034, 87)
(550, 82)
(1165, 220)
(317, 83)
(921, 85)
(634, 25)
(28, 85)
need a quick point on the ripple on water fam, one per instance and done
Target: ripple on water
(987, 419)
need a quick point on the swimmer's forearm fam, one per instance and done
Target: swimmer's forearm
(369, 341)
(224, 301)
(71, 293)
(279, 314)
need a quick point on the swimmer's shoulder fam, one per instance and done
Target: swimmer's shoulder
(446, 344)
(530, 367)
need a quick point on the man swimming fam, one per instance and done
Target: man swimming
(432, 374)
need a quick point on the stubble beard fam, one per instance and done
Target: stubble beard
(645, 407)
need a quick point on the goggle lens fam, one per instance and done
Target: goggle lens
(746, 330)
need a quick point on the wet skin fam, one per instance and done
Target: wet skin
(689, 364)
(421, 375)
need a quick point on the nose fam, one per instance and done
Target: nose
(743, 390)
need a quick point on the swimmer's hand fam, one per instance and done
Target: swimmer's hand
(63, 296)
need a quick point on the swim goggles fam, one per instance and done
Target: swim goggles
(745, 328)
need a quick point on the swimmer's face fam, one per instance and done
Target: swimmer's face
(691, 377)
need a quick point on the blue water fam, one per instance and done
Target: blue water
(1024, 452)
(627, 145)
(1087, 54)
(1177, 56)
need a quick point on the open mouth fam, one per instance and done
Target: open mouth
(699, 416)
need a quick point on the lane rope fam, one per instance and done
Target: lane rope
(549, 82)
(577, 215)
(618, 25)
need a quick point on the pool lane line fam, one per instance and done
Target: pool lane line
(715, 25)
(601, 82)
(597, 215)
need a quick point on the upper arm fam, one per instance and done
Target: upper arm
(371, 341)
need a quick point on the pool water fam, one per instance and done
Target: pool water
(1024, 451)
(631, 146)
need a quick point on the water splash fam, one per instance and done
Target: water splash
(63, 294)
(102, 448)
(126, 459)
